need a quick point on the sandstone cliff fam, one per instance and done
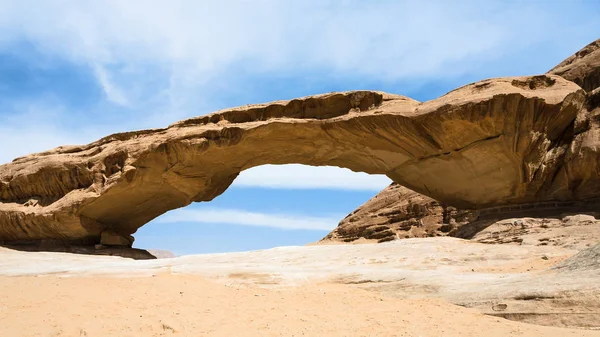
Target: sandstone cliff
(496, 142)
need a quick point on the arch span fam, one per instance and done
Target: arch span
(493, 142)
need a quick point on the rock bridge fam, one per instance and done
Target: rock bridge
(496, 142)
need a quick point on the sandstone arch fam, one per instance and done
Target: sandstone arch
(494, 142)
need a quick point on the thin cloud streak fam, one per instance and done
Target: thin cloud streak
(113, 93)
(245, 218)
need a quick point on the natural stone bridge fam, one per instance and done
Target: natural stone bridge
(495, 142)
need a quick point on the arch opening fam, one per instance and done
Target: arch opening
(265, 207)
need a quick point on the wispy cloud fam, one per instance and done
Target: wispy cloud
(113, 92)
(295, 176)
(202, 39)
(245, 218)
(29, 127)
(42, 139)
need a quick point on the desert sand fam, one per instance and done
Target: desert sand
(184, 305)
(400, 288)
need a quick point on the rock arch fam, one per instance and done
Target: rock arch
(495, 142)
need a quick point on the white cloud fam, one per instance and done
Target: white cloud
(32, 129)
(113, 93)
(35, 139)
(245, 218)
(198, 41)
(295, 176)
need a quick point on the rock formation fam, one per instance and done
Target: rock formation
(496, 142)
(398, 213)
(575, 232)
(161, 253)
(587, 259)
(582, 68)
(390, 213)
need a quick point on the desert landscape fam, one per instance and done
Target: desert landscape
(413, 287)
(490, 227)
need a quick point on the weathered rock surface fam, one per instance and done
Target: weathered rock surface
(399, 213)
(63, 246)
(161, 253)
(575, 232)
(582, 68)
(587, 259)
(111, 238)
(495, 142)
(389, 214)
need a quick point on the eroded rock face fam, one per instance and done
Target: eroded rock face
(495, 142)
(567, 166)
(572, 231)
(112, 238)
(582, 68)
(398, 213)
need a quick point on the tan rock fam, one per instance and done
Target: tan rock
(111, 238)
(398, 213)
(64, 246)
(495, 142)
(567, 166)
(582, 68)
(587, 259)
(161, 253)
(576, 231)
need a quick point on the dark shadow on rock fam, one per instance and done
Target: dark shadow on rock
(550, 210)
(57, 246)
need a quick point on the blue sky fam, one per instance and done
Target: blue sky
(74, 71)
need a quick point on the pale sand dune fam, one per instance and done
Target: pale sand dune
(178, 305)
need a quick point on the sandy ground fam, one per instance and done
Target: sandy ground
(187, 305)
(401, 288)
